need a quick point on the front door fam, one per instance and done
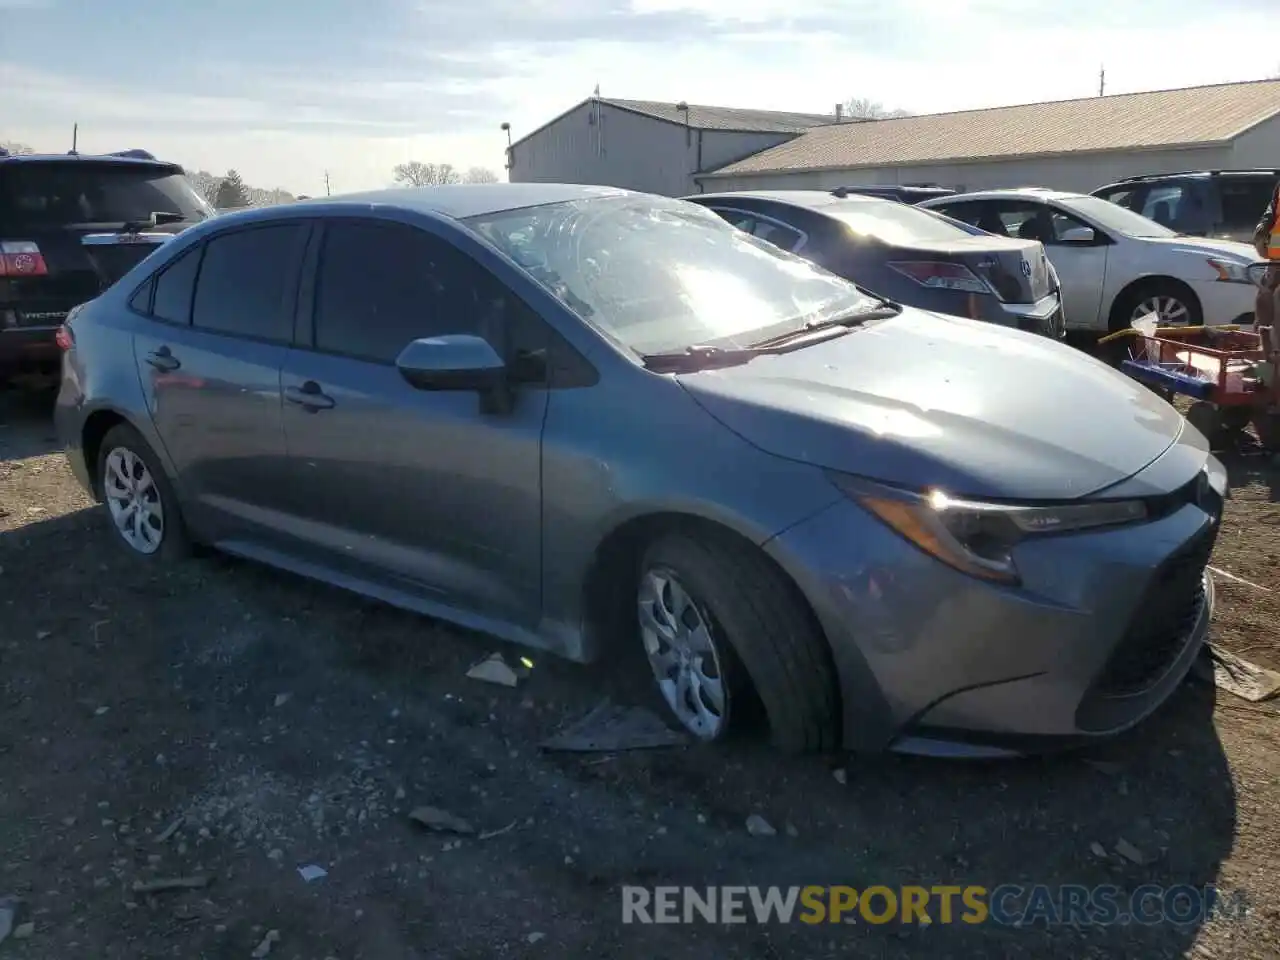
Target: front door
(209, 361)
(423, 491)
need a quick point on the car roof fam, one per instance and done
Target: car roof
(812, 199)
(460, 201)
(1024, 193)
(113, 159)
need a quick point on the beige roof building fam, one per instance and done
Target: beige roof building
(1068, 144)
(1071, 144)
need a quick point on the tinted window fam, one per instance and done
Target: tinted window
(1034, 221)
(141, 299)
(1116, 218)
(1244, 200)
(965, 212)
(382, 286)
(174, 288)
(245, 280)
(1124, 196)
(892, 222)
(767, 230)
(1163, 204)
(658, 274)
(55, 193)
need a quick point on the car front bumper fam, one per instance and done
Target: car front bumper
(932, 660)
(1224, 302)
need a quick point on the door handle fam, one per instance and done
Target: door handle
(163, 360)
(309, 396)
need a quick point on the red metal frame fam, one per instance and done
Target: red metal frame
(1227, 346)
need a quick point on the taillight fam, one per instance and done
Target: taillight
(64, 338)
(940, 275)
(21, 258)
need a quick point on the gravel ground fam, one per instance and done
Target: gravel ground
(281, 723)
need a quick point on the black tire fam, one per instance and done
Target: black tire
(1130, 299)
(768, 643)
(174, 542)
(1236, 420)
(1207, 418)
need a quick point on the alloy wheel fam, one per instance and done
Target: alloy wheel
(133, 500)
(680, 644)
(1171, 311)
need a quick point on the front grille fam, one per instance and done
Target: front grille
(1162, 622)
(113, 261)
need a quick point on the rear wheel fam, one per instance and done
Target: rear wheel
(723, 630)
(1208, 419)
(141, 505)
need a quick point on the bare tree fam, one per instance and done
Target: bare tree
(481, 175)
(415, 173)
(864, 108)
(204, 183)
(14, 148)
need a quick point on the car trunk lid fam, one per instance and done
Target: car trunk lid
(1017, 271)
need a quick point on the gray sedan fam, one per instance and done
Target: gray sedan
(583, 419)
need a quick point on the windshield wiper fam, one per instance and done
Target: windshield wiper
(885, 308)
(699, 357)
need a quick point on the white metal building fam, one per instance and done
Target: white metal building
(1066, 145)
(647, 145)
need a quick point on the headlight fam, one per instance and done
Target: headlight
(978, 538)
(1229, 271)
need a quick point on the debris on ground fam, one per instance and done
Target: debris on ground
(433, 818)
(1232, 577)
(282, 699)
(841, 775)
(167, 833)
(609, 727)
(264, 948)
(312, 872)
(1237, 675)
(758, 826)
(490, 834)
(24, 930)
(535, 937)
(495, 669)
(1130, 852)
(1098, 850)
(170, 883)
(8, 914)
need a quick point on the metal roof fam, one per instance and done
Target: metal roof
(1192, 116)
(738, 119)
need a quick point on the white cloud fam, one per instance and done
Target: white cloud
(457, 71)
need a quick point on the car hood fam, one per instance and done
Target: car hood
(1208, 246)
(923, 400)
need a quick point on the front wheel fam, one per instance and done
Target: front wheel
(723, 630)
(142, 507)
(1174, 305)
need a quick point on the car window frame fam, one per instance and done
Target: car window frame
(289, 296)
(567, 368)
(755, 216)
(149, 284)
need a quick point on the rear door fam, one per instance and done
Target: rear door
(222, 320)
(422, 491)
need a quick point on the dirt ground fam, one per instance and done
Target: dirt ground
(290, 724)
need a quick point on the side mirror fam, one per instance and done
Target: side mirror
(453, 362)
(1079, 235)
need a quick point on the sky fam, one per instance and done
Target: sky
(285, 90)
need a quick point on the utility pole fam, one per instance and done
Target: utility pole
(326, 184)
(75, 136)
(1102, 82)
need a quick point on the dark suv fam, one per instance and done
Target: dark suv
(70, 225)
(1225, 204)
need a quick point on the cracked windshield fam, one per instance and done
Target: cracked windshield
(666, 478)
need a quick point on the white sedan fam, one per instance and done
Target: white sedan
(1114, 264)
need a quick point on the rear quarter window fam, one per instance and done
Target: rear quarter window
(1244, 200)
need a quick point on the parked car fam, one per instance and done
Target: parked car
(904, 193)
(1225, 204)
(905, 254)
(1115, 265)
(582, 418)
(72, 224)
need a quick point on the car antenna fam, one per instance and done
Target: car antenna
(75, 137)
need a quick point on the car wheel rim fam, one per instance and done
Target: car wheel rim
(1171, 311)
(681, 648)
(133, 500)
